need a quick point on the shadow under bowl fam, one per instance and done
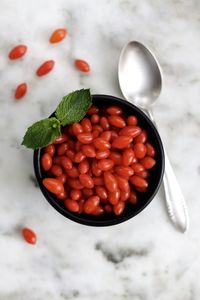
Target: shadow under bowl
(154, 180)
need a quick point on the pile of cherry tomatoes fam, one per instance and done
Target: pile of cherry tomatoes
(99, 164)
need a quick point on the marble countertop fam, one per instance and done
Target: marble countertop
(144, 258)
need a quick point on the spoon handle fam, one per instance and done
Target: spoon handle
(175, 202)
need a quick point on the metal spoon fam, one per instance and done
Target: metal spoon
(140, 82)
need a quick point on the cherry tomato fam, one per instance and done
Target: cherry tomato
(121, 142)
(150, 150)
(66, 162)
(144, 174)
(75, 194)
(95, 119)
(138, 181)
(79, 157)
(74, 183)
(29, 235)
(45, 68)
(61, 139)
(132, 121)
(50, 149)
(62, 196)
(127, 157)
(86, 181)
(83, 166)
(61, 150)
(124, 195)
(77, 128)
(62, 178)
(101, 192)
(132, 131)
(116, 158)
(88, 150)
(81, 203)
(122, 183)
(110, 181)
(85, 137)
(101, 144)
(104, 123)
(148, 162)
(119, 208)
(106, 135)
(91, 204)
(73, 172)
(124, 172)
(139, 150)
(70, 154)
(53, 185)
(58, 35)
(114, 110)
(46, 161)
(113, 197)
(137, 167)
(95, 170)
(17, 52)
(98, 211)
(77, 146)
(116, 121)
(86, 125)
(57, 160)
(105, 164)
(20, 90)
(133, 197)
(114, 135)
(142, 137)
(82, 65)
(102, 154)
(93, 110)
(71, 205)
(56, 170)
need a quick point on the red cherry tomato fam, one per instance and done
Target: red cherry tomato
(114, 110)
(83, 166)
(50, 149)
(142, 137)
(138, 181)
(132, 121)
(29, 236)
(139, 150)
(116, 121)
(101, 144)
(122, 142)
(75, 194)
(122, 183)
(58, 35)
(61, 139)
(104, 123)
(46, 161)
(133, 197)
(113, 197)
(20, 91)
(17, 52)
(86, 125)
(85, 137)
(148, 162)
(110, 181)
(119, 208)
(86, 181)
(102, 154)
(124, 172)
(71, 205)
(45, 68)
(127, 157)
(132, 131)
(91, 204)
(88, 150)
(56, 170)
(101, 192)
(105, 164)
(93, 110)
(53, 185)
(150, 150)
(82, 65)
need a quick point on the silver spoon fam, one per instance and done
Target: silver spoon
(140, 82)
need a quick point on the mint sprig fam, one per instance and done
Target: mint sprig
(71, 109)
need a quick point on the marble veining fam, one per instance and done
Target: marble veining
(144, 258)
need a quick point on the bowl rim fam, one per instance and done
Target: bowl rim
(100, 223)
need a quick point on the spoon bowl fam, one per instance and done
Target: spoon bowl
(139, 75)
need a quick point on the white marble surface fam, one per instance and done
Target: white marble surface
(144, 258)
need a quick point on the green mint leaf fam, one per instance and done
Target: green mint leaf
(73, 107)
(42, 133)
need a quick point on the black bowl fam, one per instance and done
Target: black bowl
(143, 198)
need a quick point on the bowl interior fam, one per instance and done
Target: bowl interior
(143, 198)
